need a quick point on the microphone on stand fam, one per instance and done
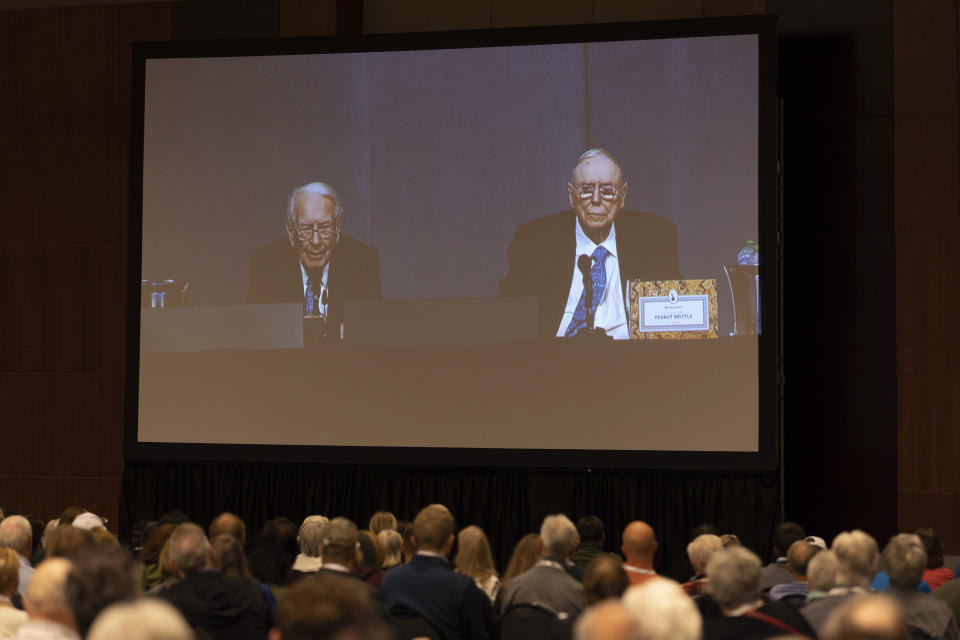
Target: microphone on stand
(583, 263)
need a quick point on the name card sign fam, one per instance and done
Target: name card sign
(673, 309)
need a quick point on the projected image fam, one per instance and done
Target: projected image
(401, 248)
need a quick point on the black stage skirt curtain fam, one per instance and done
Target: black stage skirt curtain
(506, 503)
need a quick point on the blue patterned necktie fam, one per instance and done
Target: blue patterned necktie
(309, 300)
(598, 274)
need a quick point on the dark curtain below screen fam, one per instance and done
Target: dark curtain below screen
(506, 503)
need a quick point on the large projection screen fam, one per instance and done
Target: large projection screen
(452, 160)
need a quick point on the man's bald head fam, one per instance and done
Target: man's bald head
(228, 523)
(798, 557)
(639, 542)
(46, 597)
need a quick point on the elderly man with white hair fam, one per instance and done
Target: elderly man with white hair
(699, 552)
(663, 611)
(16, 533)
(735, 582)
(547, 583)
(49, 614)
(146, 619)
(856, 555)
(905, 559)
(310, 539)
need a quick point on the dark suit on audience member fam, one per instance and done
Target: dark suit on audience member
(450, 601)
(354, 275)
(225, 607)
(542, 256)
(758, 624)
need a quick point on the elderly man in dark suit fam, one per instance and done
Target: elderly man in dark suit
(621, 245)
(316, 264)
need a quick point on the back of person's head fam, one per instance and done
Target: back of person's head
(382, 521)
(786, 534)
(230, 524)
(70, 513)
(866, 617)
(904, 560)
(339, 542)
(69, 542)
(405, 529)
(37, 528)
(604, 578)
(856, 558)
(590, 529)
(9, 571)
(283, 532)
(734, 576)
(270, 564)
(664, 611)
(638, 540)
(88, 521)
(16, 533)
(558, 537)
(799, 556)
(100, 577)
(144, 619)
(310, 535)
(154, 543)
(474, 558)
(525, 555)
(432, 527)
(328, 606)
(46, 597)
(228, 555)
(822, 571)
(729, 540)
(931, 542)
(371, 553)
(606, 621)
(392, 543)
(700, 550)
(189, 548)
(103, 538)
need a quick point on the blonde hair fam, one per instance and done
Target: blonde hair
(382, 521)
(525, 555)
(9, 570)
(392, 543)
(473, 556)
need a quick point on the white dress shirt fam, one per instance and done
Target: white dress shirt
(611, 315)
(317, 290)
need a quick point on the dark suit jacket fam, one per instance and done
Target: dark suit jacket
(450, 601)
(354, 275)
(543, 254)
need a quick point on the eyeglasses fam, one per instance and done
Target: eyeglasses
(607, 191)
(326, 231)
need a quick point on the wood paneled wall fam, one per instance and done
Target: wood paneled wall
(927, 211)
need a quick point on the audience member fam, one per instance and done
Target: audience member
(592, 535)
(382, 521)
(36, 535)
(638, 546)
(607, 621)
(798, 559)
(525, 555)
(325, 605)
(67, 542)
(49, 617)
(150, 555)
(103, 539)
(146, 619)
(223, 607)
(230, 524)
(270, 565)
(950, 593)
(663, 611)
(776, 572)
(905, 560)
(100, 577)
(866, 617)
(282, 532)
(856, 556)
(168, 573)
(816, 541)
(339, 546)
(936, 574)
(428, 586)
(475, 560)
(604, 578)
(729, 540)
(16, 533)
(228, 556)
(309, 537)
(69, 514)
(10, 617)
(392, 543)
(734, 577)
(822, 572)
(547, 583)
(699, 552)
(370, 559)
(405, 529)
(88, 521)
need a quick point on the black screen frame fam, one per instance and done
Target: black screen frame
(769, 349)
